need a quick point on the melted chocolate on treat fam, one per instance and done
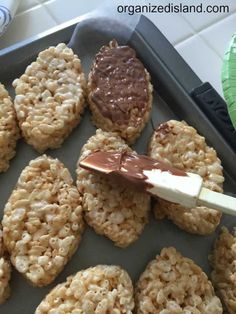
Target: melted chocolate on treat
(163, 128)
(119, 84)
(126, 166)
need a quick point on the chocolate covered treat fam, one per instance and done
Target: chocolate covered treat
(172, 283)
(119, 91)
(115, 210)
(180, 146)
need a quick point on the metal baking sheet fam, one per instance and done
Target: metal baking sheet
(170, 101)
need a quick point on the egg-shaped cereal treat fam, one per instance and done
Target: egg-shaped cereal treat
(180, 146)
(42, 221)
(113, 209)
(9, 131)
(5, 272)
(100, 290)
(173, 284)
(119, 91)
(223, 261)
(50, 97)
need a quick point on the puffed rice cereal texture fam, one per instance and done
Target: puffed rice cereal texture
(42, 222)
(180, 146)
(96, 290)
(129, 129)
(50, 97)
(9, 131)
(5, 272)
(173, 284)
(114, 210)
(223, 262)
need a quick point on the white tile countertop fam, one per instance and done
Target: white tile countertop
(200, 38)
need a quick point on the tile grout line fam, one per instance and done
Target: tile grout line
(207, 25)
(198, 32)
(38, 5)
(208, 43)
(210, 46)
(28, 9)
(44, 4)
(178, 42)
(203, 39)
(186, 38)
(25, 10)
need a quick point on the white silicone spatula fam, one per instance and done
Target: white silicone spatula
(188, 191)
(158, 179)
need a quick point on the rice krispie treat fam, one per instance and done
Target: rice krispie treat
(9, 132)
(42, 222)
(173, 284)
(180, 146)
(223, 261)
(100, 290)
(112, 209)
(119, 91)
(5, 272)
(50, 97)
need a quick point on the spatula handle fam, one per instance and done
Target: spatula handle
(224, 203)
